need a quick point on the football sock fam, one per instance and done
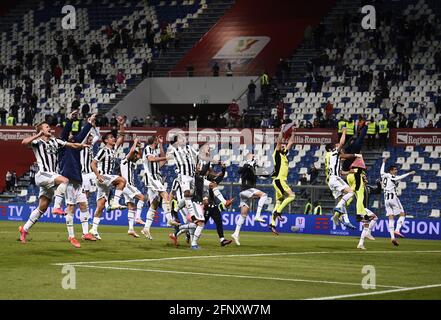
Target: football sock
(186, 227)
(363, 235)
(70, 225)
(84, 218)
(260, 205)
(117, 196)
(391, 228)
(239, 224)
(139, 207)
(33, 218)
(149, 219)
(131, 218)
(345, 217)
(400, 223)
(59, 195)
(197, 235)
(96, 222)
(344, 199)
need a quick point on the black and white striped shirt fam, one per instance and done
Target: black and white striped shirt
(46, 153)
(185, 158)
(128, 169)
(86, 156)
(106, 160)
(151, 168)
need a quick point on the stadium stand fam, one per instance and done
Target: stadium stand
(37, 31)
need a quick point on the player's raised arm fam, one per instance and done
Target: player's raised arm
(27, 141)
(121, 132)
(291, 140)
(76, 145)
(279, 140)
(133, 148)
(383, 165)
(403, 176)
(342, 140)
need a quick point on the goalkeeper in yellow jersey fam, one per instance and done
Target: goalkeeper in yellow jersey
(357, 181)
(283, 192)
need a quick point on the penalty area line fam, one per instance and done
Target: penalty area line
(226, 275)
(376, 292)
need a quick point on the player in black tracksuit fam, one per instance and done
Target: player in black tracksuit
(212, 209)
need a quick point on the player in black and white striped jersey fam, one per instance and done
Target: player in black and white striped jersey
(340, 189)
(185, 157)
(130, 192)
(103, 166)
(154, 158)
(86, 154)
(392, 203)
(46, 148)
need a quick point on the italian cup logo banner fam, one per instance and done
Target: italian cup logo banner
(241, 50)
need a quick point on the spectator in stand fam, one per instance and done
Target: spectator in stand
(78, 90)
(229, 70)
(57, 74)
(149, 121)
(438, 101)
(215, 70)
(265, 123)
(313, 173)
(8, 181)
(113, 122)
(438, 123)
(233, 112)
(85, 110)
(120, 78)
(2, 77)
(430, 125)
(135, 122)
(32, 172)
(3, 113)
(251, 93)
(145, 69)
(329, 109)
(81, 73)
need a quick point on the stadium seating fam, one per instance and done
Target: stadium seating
(37, 30)
(421, 86)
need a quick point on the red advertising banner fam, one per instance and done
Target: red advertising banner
(415, 137)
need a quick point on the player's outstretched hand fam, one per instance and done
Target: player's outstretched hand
(412, 172)
(100, 178)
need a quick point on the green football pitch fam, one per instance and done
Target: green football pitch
(288, 266)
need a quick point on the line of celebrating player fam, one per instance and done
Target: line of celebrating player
(68, 170)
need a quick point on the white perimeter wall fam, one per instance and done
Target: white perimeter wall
(207, 90)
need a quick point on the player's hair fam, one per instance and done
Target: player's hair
(106, 136)
(151, 139)
(329, 147)
(391, 168)
(174, 139)
(39, 126)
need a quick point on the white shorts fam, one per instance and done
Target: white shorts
(186, 182)
(154, 188)
(104, 188)
(337, 185)
(246, 197)
(89, 182)
(46, 182)
(75, 194)
(130, 192)
(198, 212)
(393, 206)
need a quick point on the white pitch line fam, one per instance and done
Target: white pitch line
(242, 255)
(227, 275)
(375, 292)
